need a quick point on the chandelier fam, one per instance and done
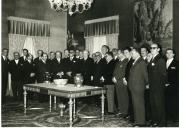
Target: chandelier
(72, 6)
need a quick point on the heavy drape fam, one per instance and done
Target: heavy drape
(101, 31)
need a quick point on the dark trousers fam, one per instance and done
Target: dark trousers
(130, 109)
(147, 105)
(171, 102)
(4, 87)
(17, 88)
(110, 98)
(157, 101)
(122, 98)
(138, 106)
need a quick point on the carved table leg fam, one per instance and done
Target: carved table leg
(71, 111)
(50, 103)
(55, 102)
(25, 101)
(74, 108)
(102, 106)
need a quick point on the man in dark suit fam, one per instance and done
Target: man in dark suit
(121, 89)
(24, 57)
(115, 54)
(87, 68)
(144, 54)
(58, 66)
(71, 66)
(127, 54)
(98, 69)
(16, 76)
(157, 79)
(104, 50)
(4, 74)
(107, 78)
(138, 79)
(171, 86)
(39, 54)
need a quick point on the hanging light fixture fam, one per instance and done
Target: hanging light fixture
(72, 6)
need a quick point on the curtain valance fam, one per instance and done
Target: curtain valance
(28, 27)
(102, 26)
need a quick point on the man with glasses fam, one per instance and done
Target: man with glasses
(157, 78)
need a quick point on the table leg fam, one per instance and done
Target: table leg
(74, 108)
(50, 103)
(71, 111)
(102, 106)
(55, 102)
(25, 101)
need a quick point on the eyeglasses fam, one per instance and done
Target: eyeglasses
(153, 47)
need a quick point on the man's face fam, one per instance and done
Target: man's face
(39, 53)
(144, 52)
(25, 52)
(16, 56)
(77, 52)
(5, 52)
(30, 57)
(104, 50)
(44, 57)
(81, 54)
(52, 55)
(115, 52)
(169, 54)
(72, 53)
(66, 53)
(134, 54)
(127, 54)
(98, 56)
(154, 49)
(58, 55)
(85, 54)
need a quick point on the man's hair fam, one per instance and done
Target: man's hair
(16, 53)
(58, 52)
(127, 48)
(5, 49)
(109, 54)
(170, 49)
(107, 47)
(25, 50)
(136, 49)
(146, 47)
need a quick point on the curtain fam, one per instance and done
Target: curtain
(112, 40)
(98, 41)
(89, 44)
(28, 27)
(102, 26)
(17, 43)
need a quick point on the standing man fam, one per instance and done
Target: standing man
(104, 50)
(4, 73)
(115, 54)
(108, 74)
(87, 68)
(144, 52)
(16, 67)
(157, 78)
(138, 79)
(23, 58)
(171, 86)
(121, 89)
(39, 58)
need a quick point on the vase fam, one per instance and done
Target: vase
(78, 80)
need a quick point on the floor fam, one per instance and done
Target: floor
(38, 115)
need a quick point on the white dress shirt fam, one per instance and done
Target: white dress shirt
(16, 61)
(169, 61)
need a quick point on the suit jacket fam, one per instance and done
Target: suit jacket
(57, 66)
(138, 76)
(37, 60)
(128, 67)
(108, 72)
(157, 73)
(87, 69)
(119, 71)
(28, 68)
(172, 73)
(71, 65)
(41, 68)
(4, 68)
(16, 71)
(98, 72)
(21, 59)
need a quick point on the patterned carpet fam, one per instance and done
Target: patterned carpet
(13, 116)
(39, 116)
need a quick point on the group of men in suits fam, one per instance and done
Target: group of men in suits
(141, 85)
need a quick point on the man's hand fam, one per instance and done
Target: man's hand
(124, 81)
(114, 80)
(69, 73)
(32, 74)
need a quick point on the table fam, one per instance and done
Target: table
(67, 91)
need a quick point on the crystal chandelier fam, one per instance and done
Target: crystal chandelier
(72, 6)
